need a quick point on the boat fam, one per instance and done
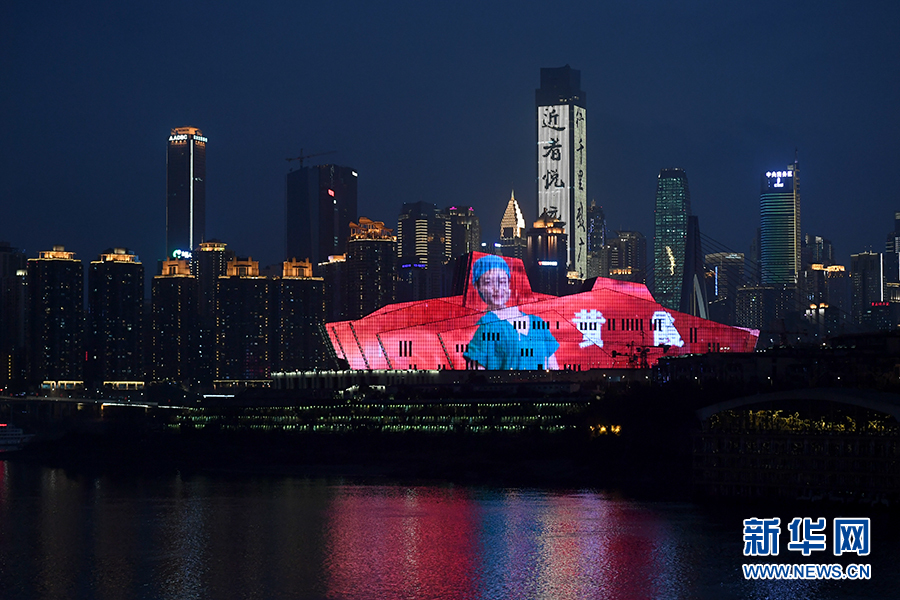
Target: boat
(12, 437)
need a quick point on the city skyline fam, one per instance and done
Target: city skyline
(740, 97)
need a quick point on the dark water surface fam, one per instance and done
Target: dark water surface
(65, 535)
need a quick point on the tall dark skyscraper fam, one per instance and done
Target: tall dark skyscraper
(320, 203)
(371, 268)
(779, 211)
(185, 190)
(12, 314)
(562, 157)
(56, 317)
(673, 209)
(116, 303)
(175, 331)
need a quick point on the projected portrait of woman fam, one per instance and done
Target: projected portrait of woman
(507, 338)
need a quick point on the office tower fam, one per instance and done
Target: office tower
(175, 332)
(243, 334)
(56, 318)
(596, 239)
(115, 322)
(12, 315)
(371, 267)
(300, 305)
(545, 262)
(562, 157)
(670, 243)
(726, 275)
(320, 203)
(893, 238)
(867, 285)
(208, 263)
(779, 209)
(512, 231)
(465, 230)
(185, 190)
(817, 251)
(624, 257)
(423, 250)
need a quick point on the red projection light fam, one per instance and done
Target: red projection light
(499, 323)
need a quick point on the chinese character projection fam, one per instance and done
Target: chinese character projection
(498, 323)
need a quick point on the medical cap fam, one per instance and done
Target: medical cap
(486, 263)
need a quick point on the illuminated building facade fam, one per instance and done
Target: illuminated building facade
(243, 334)
(512, 231)
(55, 317)
(175, 332)
(546, 257)
(670, 242)
(779, 210)
(185, 190)
(465, 230)
(116, 310)
(562, 157)
(624, 257)
(371, 267)
(300, 319)
(423, 250)
(320, 203)
(12, 315)
(616, 324)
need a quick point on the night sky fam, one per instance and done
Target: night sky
(435, 102)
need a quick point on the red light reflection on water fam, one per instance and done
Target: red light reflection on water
(401, 543)
(434, 542)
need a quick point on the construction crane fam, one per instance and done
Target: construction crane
(302, 156)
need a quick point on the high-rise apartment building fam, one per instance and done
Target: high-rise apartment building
(726, 275)
(116, 307)
(867, 284)
(208, 263)
(185, 190)
(12, 315)
(562, 157)
(243, 348)
(175, 331)
(320, 203)
(779, 209)
(670, 243)
(299, 300)
(371, 267)
(56, 318)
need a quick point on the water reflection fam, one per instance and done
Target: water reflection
(65, 536)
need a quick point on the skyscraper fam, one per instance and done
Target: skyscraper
(12, 315)
(624, 257)
(546, 256)
(779, 212)
(185, 190)
(562, 157)
(299, 302)
(320, 203)
(423, 249)
(673, 209)
(371, 268)
(512, 231)
(175, 331)
(243, 335)
(55, 317)
(116, 304)
(596, 240)
(465, 230)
